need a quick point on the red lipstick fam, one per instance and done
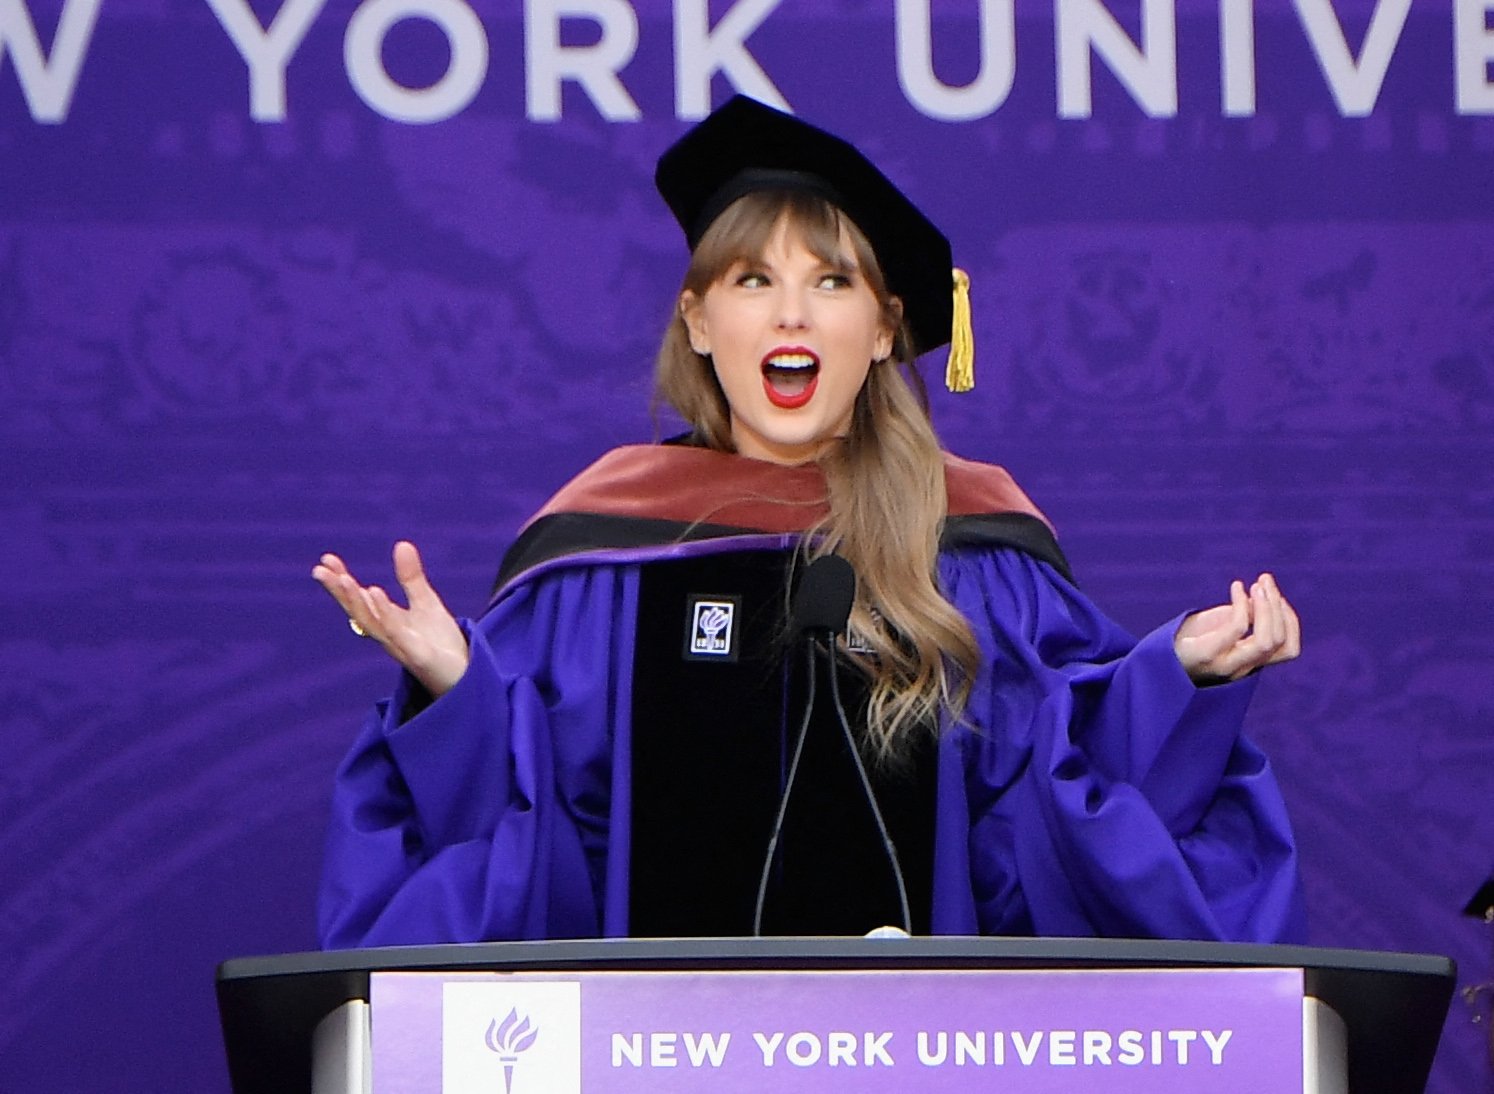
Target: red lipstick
(790, 376)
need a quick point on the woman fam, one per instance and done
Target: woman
(604, 751)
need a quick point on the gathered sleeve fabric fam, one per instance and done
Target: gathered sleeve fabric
(487, 814)
(1092, 789)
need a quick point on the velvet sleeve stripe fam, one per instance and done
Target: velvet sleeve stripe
(556, 535)
(1027, 533)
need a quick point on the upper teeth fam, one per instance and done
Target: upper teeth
(791, 360)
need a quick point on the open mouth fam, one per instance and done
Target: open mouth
(790, 377)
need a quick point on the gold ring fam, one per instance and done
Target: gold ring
(356, 629)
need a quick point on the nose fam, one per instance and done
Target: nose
(793, 308)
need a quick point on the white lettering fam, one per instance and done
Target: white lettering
(874, 1049)
(627, 1047)
(661, 1049)
(449, 95)
(1216, 1043)
(1237, 57)
(47, 83)
(699, 53)
(1131, 1052)
(705, 1048)
(1149, 72)
(1156, 1046)
(1096, 1047)
(842, 1049)
(803, 1049)
(1475, 52)
(966, 1048)
(998, 1048)
(1355, 83)
(932, 1057)
(594, 67)
(266, 52)
(915, 62)
(1182, 1038)
(1061, 1048)
(1026, 1052)
(768, 1047)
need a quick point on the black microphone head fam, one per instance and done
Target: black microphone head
(822, 602)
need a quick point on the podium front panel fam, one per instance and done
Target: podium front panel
(1209, 1031)
(1392, 1005)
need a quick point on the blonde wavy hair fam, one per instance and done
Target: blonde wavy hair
(884, 481)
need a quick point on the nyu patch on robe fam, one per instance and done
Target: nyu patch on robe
(711, 630)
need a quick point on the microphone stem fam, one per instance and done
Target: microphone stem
(866, 786)
(783, 801)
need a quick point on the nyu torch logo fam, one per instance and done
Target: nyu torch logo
(527, 1026)
(712, 629)
(510, 1039)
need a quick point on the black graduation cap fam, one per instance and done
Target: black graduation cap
(1482, 904)
(745, 146)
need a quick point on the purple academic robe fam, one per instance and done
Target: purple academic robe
(1090, 790)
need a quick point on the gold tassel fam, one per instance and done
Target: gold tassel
(959, 374)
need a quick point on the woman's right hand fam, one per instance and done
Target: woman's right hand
(423, 637)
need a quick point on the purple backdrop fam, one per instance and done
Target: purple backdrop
(1234, 299)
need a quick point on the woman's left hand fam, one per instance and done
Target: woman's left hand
(1253, 630)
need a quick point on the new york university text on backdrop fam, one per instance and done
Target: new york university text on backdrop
(1085, 34)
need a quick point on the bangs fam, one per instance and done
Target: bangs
(742, 232)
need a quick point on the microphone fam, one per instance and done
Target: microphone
(821, 607)
(822, 602)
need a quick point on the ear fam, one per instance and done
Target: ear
(886, 332)
(695, 325)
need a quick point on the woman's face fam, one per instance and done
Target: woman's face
(791, 338)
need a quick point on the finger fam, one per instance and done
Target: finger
(1243, 659)
(1241, 609)
(351, 598)
(1273, 638)
(1237, 595)
(367, 612)
(1268, 630)
(380, 607)
(1242, 615)
(1257, 648)
(341, 587)
(401, 636)
(374, 613)
(1278, 609)
(1216, 629)
(327, 569)
(1239, 650)
(410, 573)
(1206, 636)
(333, 563)
(332, 574)
(1292, 647)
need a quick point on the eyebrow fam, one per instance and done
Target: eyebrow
(840, 263)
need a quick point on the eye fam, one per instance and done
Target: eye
(752, 279)
(835, 280)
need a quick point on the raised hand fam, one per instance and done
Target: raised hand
(423, 637)
(1253, 630)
